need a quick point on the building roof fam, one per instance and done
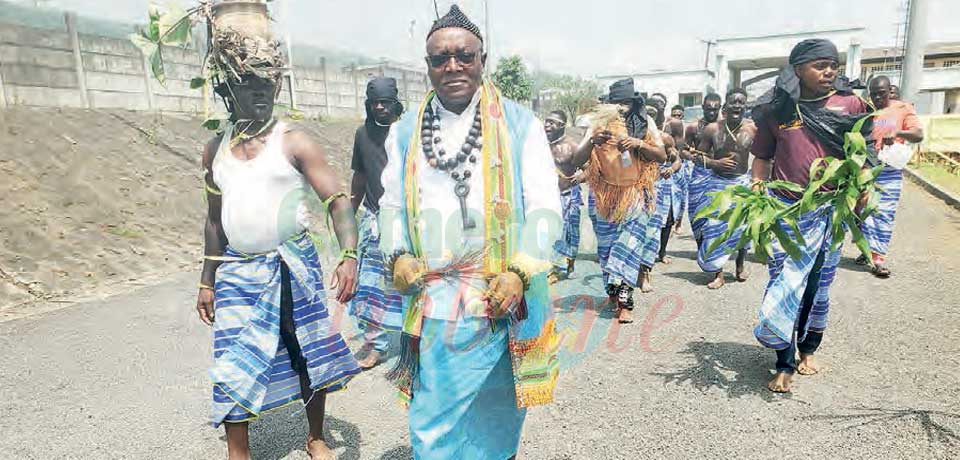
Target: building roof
(933, 49)
(648, 73)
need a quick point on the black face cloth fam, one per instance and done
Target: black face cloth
(830, 128)
(636, 121)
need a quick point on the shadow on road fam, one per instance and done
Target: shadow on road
(284, 432)
(850, 264)
(738, 369)
(398, 453)
(600, 306)
(937, 433)
(698, 278)
(692, 255)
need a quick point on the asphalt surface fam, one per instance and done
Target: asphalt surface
(125, 377)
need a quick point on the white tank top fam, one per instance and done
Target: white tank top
(263, 198)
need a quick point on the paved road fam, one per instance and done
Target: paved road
(124, 378)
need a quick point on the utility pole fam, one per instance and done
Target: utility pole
(916, 46)
(291, 78)
(706, 58)
(486, 25)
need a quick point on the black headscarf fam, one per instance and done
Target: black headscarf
(382, 88)
(783, 101)
(636, 116)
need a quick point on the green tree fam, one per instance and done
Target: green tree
(513, 79)
(573, 95)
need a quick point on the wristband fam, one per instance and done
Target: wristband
(348, 253)
(205, 286)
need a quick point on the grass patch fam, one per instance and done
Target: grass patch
(936, 174)
(124, 232)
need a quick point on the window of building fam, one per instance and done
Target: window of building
(691, 99)
(951, 63)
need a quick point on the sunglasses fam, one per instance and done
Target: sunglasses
(463, 58)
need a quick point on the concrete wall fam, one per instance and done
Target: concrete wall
(40, 67)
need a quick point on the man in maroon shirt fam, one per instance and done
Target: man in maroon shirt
(793, 315)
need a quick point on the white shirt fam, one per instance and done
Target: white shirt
(442, 226)
(263, 198)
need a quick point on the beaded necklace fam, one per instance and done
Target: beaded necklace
(459, 165)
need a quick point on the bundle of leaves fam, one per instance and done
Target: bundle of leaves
(835, 186)
(231, 52)
(170, 27)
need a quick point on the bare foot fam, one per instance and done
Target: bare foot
(553, 278)
(742, 274)
(317, 449)
(717, 282)
(807, 365)
(625, 316)
(665, 260)
(780, 383)
(645, 285)
(371, 360)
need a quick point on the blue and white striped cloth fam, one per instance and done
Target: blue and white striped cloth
(251, 372)
(624, 249)
(376, 302)
(788, 280)
(669, 197)
(878, 227)
(682, 178)
(571, 200)
(712, 228)
(697, 199)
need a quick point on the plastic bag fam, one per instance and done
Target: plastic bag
(896, 156)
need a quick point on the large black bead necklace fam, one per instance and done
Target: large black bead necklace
(459, 166)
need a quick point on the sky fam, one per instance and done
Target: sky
(586, 37)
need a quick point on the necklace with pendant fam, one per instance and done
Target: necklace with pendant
(458, 165)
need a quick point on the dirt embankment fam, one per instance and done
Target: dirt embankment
(94, 200)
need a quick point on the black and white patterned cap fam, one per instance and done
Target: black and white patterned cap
(455, 19)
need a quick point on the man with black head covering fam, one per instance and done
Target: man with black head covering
(624, 155)
(806, 119)
(376, 305)
(465, 200)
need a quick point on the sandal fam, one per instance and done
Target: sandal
(612, 291)
(625, 304)
(880, 271)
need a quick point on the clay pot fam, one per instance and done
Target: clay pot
(247, 16)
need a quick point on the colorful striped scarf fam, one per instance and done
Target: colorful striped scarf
(533, 342)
